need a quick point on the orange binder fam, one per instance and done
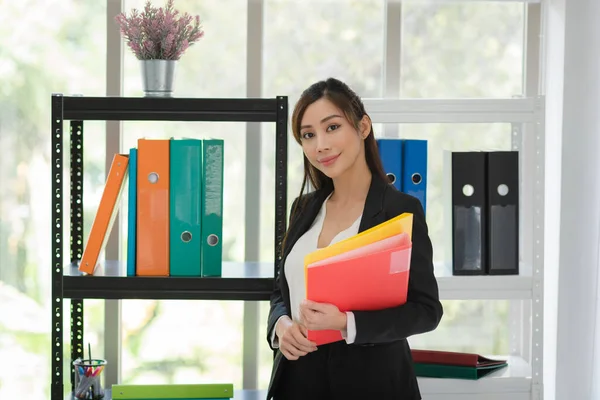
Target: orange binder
(370, 277)
(152, 253)
(106, 214)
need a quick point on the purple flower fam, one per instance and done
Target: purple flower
(159, 33)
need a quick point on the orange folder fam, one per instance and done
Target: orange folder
(370, 277)
(152, 250)
(106, 214)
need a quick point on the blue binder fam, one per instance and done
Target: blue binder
(390, 151)
(132, 212)
(414, 177)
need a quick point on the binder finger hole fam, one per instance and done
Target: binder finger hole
(468, 190)
(416, 178)
(212, 240)
(502, 189)
(153, 177)
(391, 178)
(186, 237)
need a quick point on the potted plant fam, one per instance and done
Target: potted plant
(158, 37)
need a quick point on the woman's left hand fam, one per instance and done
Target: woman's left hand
(319, 316)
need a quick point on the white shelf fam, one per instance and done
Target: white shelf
(478, 287)
(429, 111)
(485, 287)
(510, 383)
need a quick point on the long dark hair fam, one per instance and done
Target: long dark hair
(352, 106)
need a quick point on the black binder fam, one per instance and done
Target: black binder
(469, 208)
(503, 212)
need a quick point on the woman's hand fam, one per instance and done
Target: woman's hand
(292, 339)
(319, 316)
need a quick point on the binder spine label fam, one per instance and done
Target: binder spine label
(214, 180)
(212, 207)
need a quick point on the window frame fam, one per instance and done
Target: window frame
(521, 310)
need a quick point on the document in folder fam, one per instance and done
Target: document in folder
(370, 277)
(401, 224)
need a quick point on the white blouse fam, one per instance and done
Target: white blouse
(294, 269)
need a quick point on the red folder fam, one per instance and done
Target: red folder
(371, 277)
(453, 358)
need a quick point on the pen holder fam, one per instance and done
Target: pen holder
(88, 379)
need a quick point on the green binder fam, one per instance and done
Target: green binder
(185, 207)
(175, 391)
(212, 207)
(454, 371)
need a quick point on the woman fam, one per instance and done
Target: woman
(351, 195)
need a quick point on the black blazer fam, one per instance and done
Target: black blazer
(421, 312)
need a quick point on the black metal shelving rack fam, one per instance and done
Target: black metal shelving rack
(69, 284)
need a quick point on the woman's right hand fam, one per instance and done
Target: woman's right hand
(293, 341)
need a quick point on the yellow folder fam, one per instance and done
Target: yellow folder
(401, 224)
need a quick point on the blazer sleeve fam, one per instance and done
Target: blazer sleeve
(422, 311)
(278, 308)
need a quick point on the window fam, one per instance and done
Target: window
(190, 341)
(462, 49)
(346, 43)
(475, 326)
(61, 48)
(340, 38)
(215, 66)
(175, 341)
(440, 59)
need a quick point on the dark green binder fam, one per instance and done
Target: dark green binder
(445, 364)
(453, 371)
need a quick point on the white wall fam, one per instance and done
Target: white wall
(573, 71)
(553, 35)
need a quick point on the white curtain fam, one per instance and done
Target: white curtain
(575, 291)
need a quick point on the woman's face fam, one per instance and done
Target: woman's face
(329, 140)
